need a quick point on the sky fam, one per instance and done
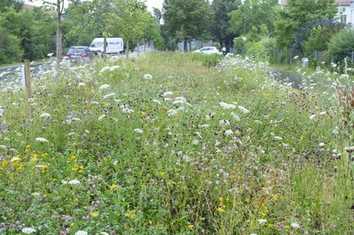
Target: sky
(154, 3)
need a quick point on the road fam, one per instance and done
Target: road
(13, 76)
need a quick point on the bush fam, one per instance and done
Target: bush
(10, 50)
(240, 45)
(341, 45)
(207, 60)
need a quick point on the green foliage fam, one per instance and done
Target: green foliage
(10, 50)
(80, 25)
(299, 12)
(240, 44)
(186, 19)
(342, 45)
(261, 50)
(254, 18)
(316, 46)
(31, 32)
(220, 24)
(207, 60)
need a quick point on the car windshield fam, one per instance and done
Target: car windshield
(77, 50)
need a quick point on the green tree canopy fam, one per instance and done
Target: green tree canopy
(220, 27)
(187, 19)
(297, 14)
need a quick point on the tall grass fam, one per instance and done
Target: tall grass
(163, 144)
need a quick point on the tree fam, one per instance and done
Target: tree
(129, 19)
(254, 18)
(186, 19)
(297, 14)
(80, 25)
(342, 45)
(220, 26)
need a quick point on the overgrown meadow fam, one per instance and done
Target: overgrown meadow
(170, 144)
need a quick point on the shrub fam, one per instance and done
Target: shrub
(207, 60)
(341, 45)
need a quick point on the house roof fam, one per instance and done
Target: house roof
(339, 2)
(344, 2)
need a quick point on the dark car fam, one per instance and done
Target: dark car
(79, 54)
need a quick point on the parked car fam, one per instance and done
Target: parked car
(79, 54)
(114, 46)
(208, 51)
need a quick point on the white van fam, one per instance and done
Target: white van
(114, 45)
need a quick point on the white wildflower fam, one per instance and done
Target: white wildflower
(81, 232)
(172, 112)
(45, 115)
(74, 182)
(295, 225)
(81, 84)
(322, 145)
(138, 131)
(227, 106)
(104, 87)
(243, 109)
(126, 109)
(147, 77)
(180, 101)
(195, 142)
(237, 79)
(313, 116)
(224, 123)
(167, 93)
(262, 221)
(109, 68)
(228, 133)
(109, 95)
(3, 147)
(204, 126)
(100, 118)
(156, 101)
(278, 138)
(28, 230)
(235, 117)
(42, 140)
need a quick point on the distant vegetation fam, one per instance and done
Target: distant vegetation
(261, 29)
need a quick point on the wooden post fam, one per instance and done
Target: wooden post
(28, 84)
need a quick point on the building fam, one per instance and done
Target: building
(39, 3)
(345, 12)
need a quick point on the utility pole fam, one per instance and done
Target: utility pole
(59, 35)
(59, 11)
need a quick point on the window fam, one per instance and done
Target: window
(343, 19)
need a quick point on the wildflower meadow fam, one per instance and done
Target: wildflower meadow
(171, 143)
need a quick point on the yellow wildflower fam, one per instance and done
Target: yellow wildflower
(220, 210)
(72, 158)
(130, 214)
(4, 164)
(94, 214)
(113, 187)
(43, 168)
(190, 226)
(78, 168)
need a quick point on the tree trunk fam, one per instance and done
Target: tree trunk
(185, 45)
(104, 45)
(127, 50)
(59, 34)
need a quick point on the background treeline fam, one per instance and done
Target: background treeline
(31, 33)
(262, 29)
